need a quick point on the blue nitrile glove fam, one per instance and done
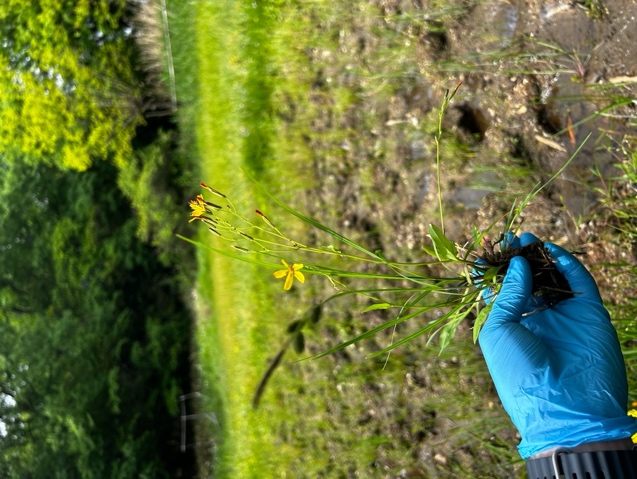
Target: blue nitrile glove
(559, 372)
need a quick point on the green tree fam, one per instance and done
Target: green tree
(93, 334)
(67, 92)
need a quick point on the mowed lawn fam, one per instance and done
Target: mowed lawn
(242, 309)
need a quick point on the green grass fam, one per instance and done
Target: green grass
(619, 211)
(303, 96)
(226, 288)
(237, 301)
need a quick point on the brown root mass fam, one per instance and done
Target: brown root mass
(548, 283)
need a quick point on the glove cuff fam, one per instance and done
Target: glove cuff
(620, 464)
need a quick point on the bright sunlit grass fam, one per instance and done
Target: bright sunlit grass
(224, 334)
(240, 306)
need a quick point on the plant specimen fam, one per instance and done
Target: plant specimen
(473, 271)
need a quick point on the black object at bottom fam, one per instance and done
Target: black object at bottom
(585, 465)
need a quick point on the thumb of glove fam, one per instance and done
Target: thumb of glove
(513, 296)
(502, 329)
(511, 351)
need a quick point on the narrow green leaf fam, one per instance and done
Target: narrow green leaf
(241, 257)
(537, 190)
(316, 224)
(412, 336)
(299, 342)
(417, 297)
(448, 331)
(373, 331)
(480, 319)
(444, 247)
(490, 273)
(455, 313)
(376, 306)
(430, 251)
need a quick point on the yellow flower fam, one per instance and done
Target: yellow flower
(633, 413)
(198, 206)
(290, 273)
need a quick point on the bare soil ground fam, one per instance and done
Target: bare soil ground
(535, 77)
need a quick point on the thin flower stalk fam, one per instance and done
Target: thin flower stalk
(455, 295)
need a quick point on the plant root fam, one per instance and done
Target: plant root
(548, 283)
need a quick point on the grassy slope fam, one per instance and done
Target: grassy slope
(208, 97)
(237, 298)
(241, 309)
(224, 344)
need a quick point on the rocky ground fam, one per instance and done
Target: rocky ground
(535, 78)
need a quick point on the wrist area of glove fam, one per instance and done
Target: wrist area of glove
(597, 460)
(625, 444)
(539, 440)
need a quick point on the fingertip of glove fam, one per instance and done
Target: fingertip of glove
(564, 260)
(528, 238)
(555, 250)
(579, 278)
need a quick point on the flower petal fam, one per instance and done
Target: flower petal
(281, 273)
(297, 266)
(285, 263)
(197, 208)
(298, 275)
(288, 281)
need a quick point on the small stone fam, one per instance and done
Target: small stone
(440, 459)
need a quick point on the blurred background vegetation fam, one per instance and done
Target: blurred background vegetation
(95, 331)
(125, 352)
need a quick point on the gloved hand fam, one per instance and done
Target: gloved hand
(559, 372)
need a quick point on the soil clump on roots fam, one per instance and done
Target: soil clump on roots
(548, 283)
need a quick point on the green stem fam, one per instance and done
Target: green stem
(445, 103)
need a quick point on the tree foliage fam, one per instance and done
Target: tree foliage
(67, 92)
(93, 335)
(150, 181)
